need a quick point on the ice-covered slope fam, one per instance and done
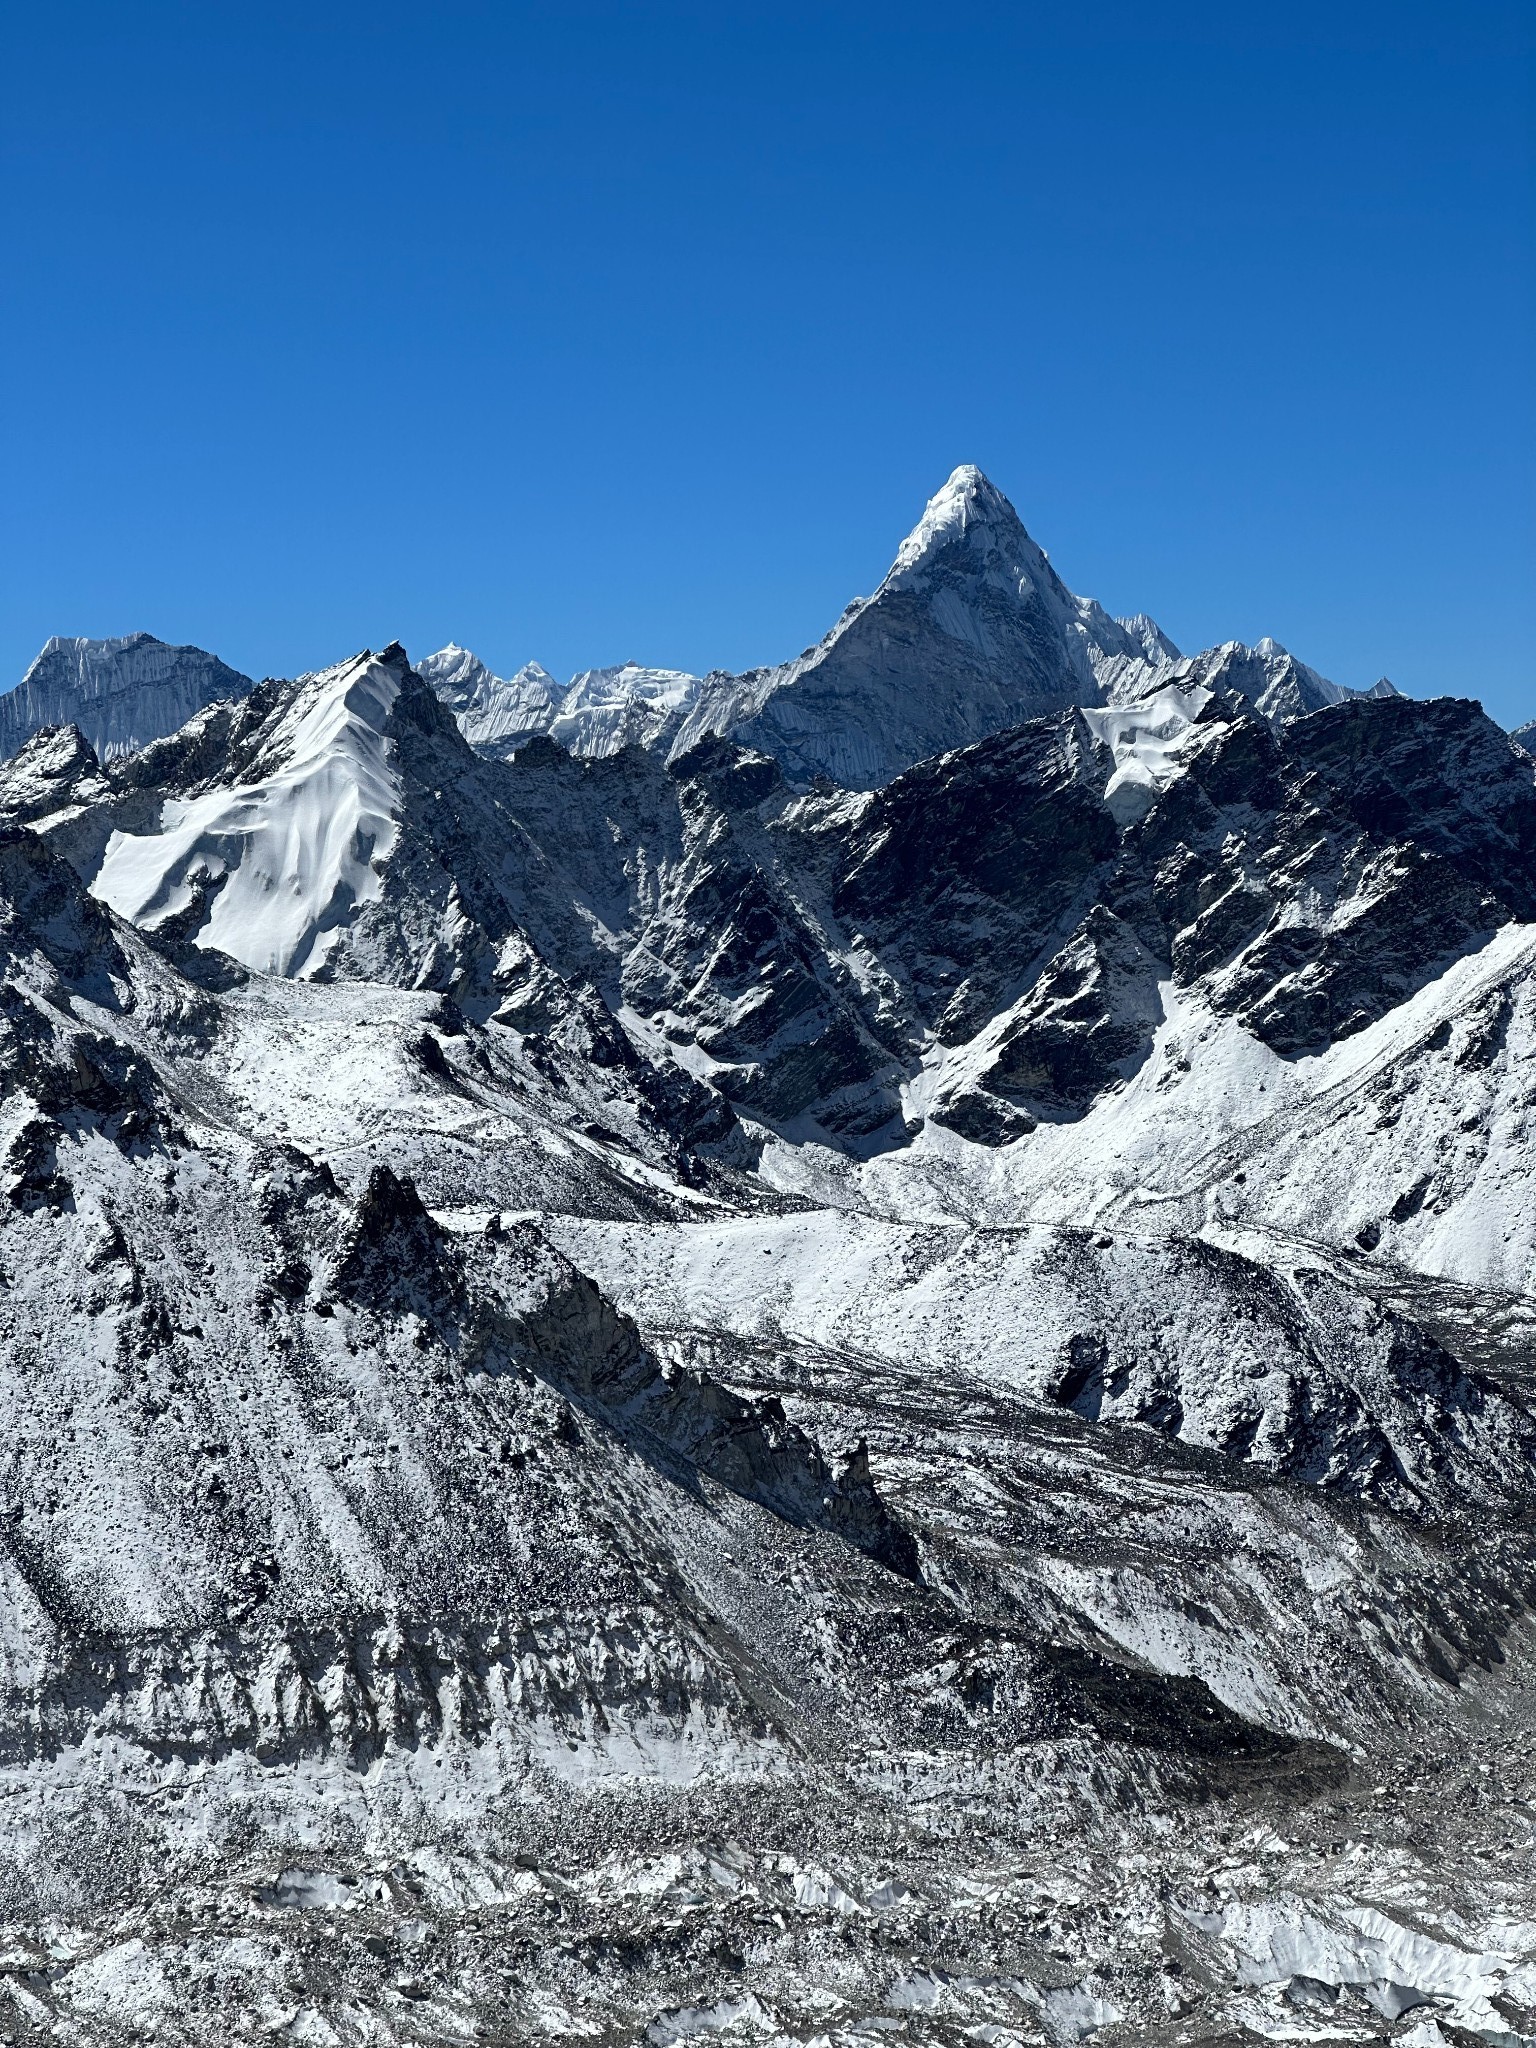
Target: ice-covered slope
(120, 693)
(278, 864)
(600, 711)
(495, 714)
(970, 632)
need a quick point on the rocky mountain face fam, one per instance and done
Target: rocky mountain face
(653, 1392)
(971, 631)
(119, 693)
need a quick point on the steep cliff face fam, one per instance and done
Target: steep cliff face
(120, 693)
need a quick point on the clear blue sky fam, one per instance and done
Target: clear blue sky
(592, 331)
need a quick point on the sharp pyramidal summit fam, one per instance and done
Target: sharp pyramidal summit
(835, 1353)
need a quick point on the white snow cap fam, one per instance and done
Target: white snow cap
(967, 499)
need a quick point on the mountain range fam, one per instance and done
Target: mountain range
(837, 1351)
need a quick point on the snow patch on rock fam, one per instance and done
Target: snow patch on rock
(1149, 740)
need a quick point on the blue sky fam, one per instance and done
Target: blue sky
(587, 332)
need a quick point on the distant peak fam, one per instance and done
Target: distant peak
(1150, 637)
(968, 499)
(966, 480)
(968, 489)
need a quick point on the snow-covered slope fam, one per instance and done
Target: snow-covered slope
(274, 867)
(1147, 738)
(983, 943)
(120, 693)
(1405, 1145)
(648, 1397)
(1308, 1377)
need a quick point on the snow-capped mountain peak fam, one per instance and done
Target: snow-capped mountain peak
(278, 862)
(627, 682)
(121, 693)
(599, 712)
(496, 714)
(1150, 638)
(971, 631)
(604, 710)
(1267, 675)
(969, 507)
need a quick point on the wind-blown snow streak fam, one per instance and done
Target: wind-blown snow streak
(280, 863)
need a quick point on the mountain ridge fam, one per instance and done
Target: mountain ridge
(971, 612)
